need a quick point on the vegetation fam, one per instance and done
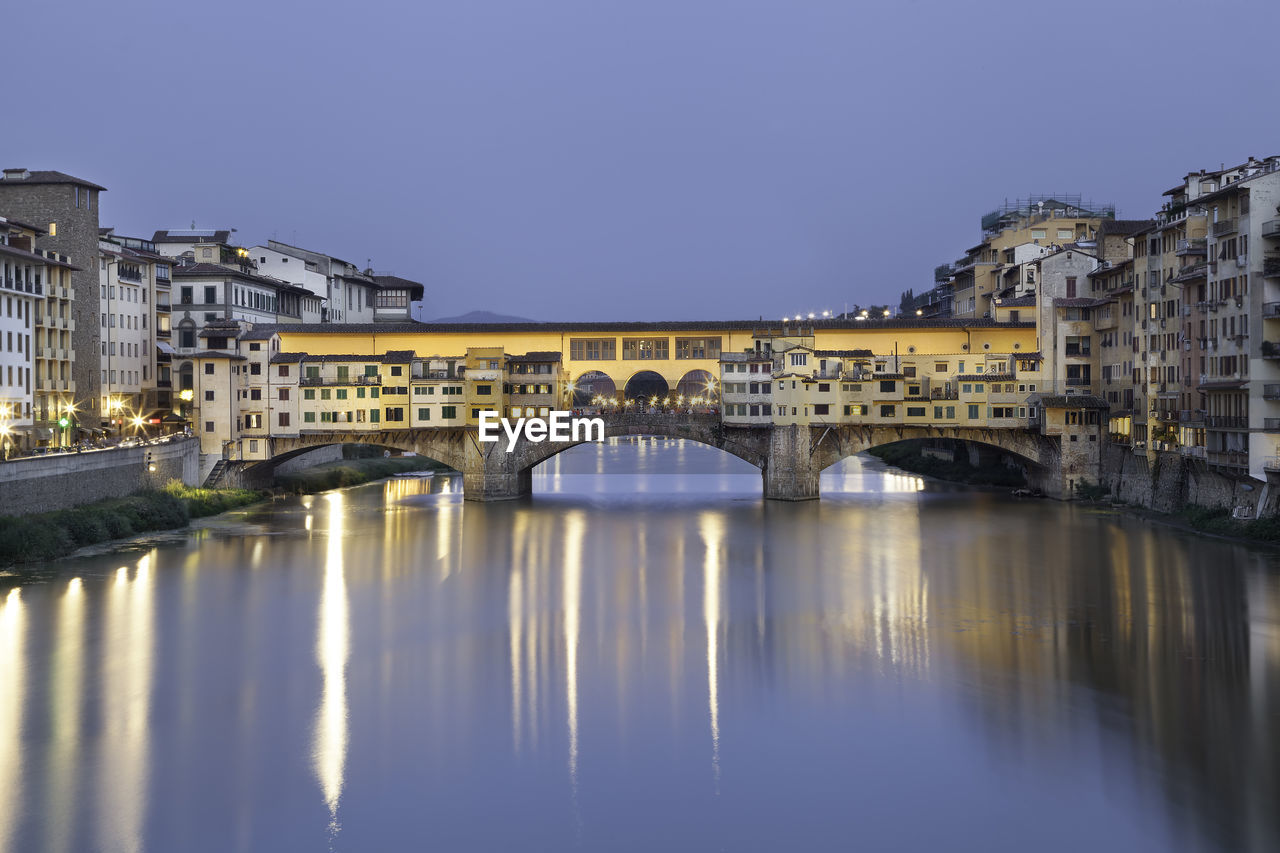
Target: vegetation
(353, 471)
(908, 457)
(1220, 522)
(50, 535)
(1092, 491)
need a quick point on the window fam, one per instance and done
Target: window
(1071, 286)
(284, 370)
(484, 390)
(448, 412)
(210, 294)
(951, 413)
(592, 349)
(396, 370)
(208, 396)
(819, 409)
(887, 386)
(644, 349)
(185, 295)
(255, 393)
(973, 412)
(799, 359)
(374, 414)
(886, 410)
(308, 393)
(341, 394)
(344, 373)
(326, 394)
(909, 371)
(208, 426)
(915, 411)
(284, 419)
(424, 414)
(255, 369)
(208, 368)
(284, 393)
(697, 347)
(309, 417)
(255, 347)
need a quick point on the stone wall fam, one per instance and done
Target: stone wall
(1168, 481)
(64, 480)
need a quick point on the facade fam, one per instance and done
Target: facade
(20, 294)
(347, 293)
(129, 274)
(65, 210)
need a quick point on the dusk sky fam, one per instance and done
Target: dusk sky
(585, 159)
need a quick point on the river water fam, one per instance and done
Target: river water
(647, 656)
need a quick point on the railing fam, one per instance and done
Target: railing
(1078, 383)
(1271, 392)
(435, 374)
(1227, 422)
(1271, 463)
(1271, 229)
(1271, 424)
(1193, 270)
(1076, 351)
(1271, 267)
(1234, 458)
(339, 380)
(1194, 246)
(1270, 349)
(1226, 226)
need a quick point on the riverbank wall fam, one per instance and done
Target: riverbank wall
(65, 480)
(1167, 482)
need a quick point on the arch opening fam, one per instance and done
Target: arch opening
(646, 386)
(696, 384)
(591, 386)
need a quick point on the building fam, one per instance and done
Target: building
(20, 296)
(132, 279)
(349, 294)
(65, 210)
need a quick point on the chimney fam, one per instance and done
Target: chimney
(16, 174)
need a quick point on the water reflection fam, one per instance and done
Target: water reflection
(912, 667)
(12, 686)
(329, 750)
(127, 652)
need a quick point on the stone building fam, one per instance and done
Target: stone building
(66, 209)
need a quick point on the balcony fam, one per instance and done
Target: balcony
(1192, 271)
(1226, 422)
(1226, 226)
(1271, 463)
(1230, 458)
(1270, 349)
(1194, 246)
(1271, 267)
(1271, 424)
(314, 381)
(1271, 392)
(1271, 230)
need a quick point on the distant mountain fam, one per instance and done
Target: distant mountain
(482, 317)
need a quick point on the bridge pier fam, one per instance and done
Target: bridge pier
(494, 475)
(790, 471)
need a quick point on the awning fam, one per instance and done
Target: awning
(164, 347)
(173, 418)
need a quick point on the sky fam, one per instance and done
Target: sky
(648, 159)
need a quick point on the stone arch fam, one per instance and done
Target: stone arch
(592, 384)
(751, 446)
(696, 383)
(836, 445)
(646, 384)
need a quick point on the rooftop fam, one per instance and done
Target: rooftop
(26, 176)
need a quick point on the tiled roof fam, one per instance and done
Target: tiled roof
(1074, 401)
(640, 326)
(843, 353)
(213, 353)
(1078, 302)
(535, 356)
(1017, 302)
(986, 377)
(49, 177)
(209, 235)
(395, 282)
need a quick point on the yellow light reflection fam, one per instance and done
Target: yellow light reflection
(68, 677)
(711, 528)
(12, 687)
(127, 657)
(329, 743)
(575, 531)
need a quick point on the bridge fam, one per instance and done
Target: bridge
(790, 458)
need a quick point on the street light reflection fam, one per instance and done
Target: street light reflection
(329, 745)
